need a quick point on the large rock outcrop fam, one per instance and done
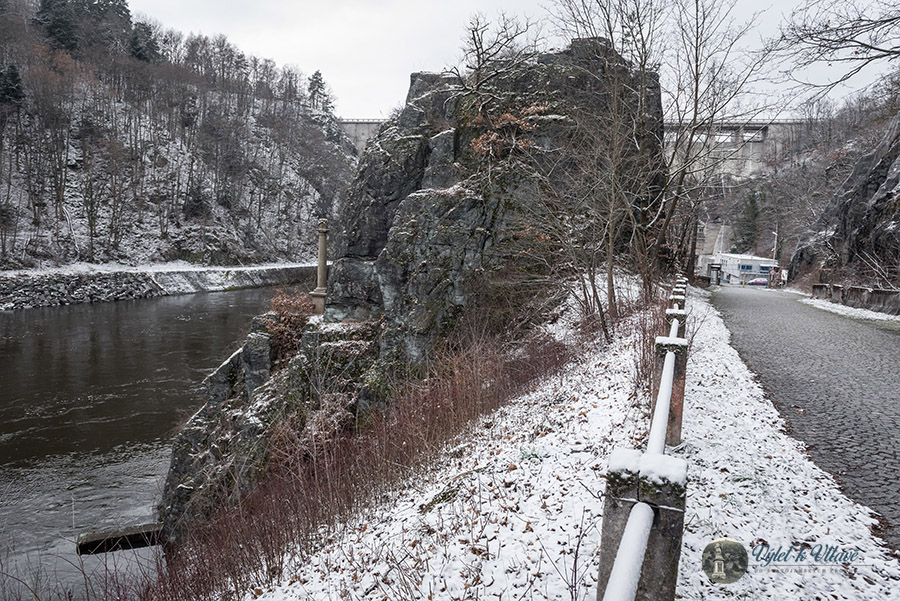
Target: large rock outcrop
(445, 205)
(860, 228)
(224, 447)
(429, 219)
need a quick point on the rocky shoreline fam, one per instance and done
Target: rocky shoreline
(29, 290)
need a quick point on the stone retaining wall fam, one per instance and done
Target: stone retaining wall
(873, 299)
(52, 289)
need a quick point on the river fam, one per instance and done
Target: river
(90, 399)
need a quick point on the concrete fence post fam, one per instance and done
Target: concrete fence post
(660, 481)
(621, 495)
(664, 344)
(318, 295)
(663, 486)
(681, 316)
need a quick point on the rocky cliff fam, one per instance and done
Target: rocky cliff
(444, 216)
(859, 233)
(450, 192)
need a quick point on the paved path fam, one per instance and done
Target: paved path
(836, 381)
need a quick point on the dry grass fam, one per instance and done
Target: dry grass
(647, 322)
(305, 493)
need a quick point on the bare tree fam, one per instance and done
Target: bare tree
(493, 50)
(707, 75)
(850, 33)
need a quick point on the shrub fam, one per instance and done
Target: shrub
(292, 310)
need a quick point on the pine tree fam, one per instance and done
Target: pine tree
(319, 97)
(142, 44)
(57, 18)
(105, 23)
(747, 225)
(11, 91)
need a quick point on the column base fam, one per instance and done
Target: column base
(318, 299)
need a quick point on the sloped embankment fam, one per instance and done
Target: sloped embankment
(515, 509)
(49, 289)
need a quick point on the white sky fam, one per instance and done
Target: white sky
(365, 49)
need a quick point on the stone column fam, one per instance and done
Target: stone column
(663, 485)
(621, 495)
(681, 316)
(318, 295)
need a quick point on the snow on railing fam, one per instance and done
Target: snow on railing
(643, 515)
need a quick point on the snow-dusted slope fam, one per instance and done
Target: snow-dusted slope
(86, 282)
(516, 509)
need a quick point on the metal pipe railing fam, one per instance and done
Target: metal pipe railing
(656, 441)
(626, 573)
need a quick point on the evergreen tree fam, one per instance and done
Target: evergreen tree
(319, 96)
(142, 44)
(11, 91)
(57, 18)
(747, 225)
(105, 23)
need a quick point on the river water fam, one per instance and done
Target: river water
(90, 399)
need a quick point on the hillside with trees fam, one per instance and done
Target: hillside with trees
(775, 210)
(828, 201)
(124, 141)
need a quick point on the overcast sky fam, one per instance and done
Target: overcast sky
(365, 49)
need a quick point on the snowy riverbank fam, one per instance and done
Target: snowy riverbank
(515, 513)
(81, 283)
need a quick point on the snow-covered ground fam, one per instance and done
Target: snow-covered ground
(514, 513)
(850, 311)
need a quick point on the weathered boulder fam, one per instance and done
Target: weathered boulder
(861, 225)
(430, 217)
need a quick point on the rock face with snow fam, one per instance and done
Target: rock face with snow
(861, 226)
(441, 212)
(27, 290)
(432, 217)
(222, 449)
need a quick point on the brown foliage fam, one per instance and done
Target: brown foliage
(292, 309)
(503, 134)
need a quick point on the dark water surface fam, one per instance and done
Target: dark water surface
(90, 398)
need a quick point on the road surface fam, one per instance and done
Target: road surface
(835, 380)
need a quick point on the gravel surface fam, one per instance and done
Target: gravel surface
(836, 381)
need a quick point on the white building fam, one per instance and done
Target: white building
(739, 269)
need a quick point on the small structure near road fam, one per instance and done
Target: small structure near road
(740, 269)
